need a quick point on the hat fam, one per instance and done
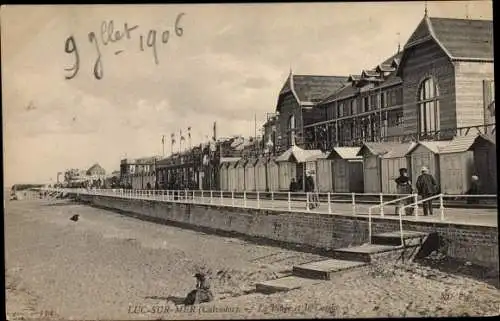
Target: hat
(403, 170)
(424, 169)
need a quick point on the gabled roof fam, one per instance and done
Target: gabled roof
(433, 146)
(96, 167)
(344, 153)
(399, 150)
(297, 154)
(483, 138)
(458, 144)
(384, 68)
(460, 39)
(311, 88)
(314, 157)
(377, 148)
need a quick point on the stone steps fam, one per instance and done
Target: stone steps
(384, 247)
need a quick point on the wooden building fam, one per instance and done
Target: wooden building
(240, 175)
(439, 86)
(485, 163)
(292, 165)
(250, 179)
(232, 177)
(381, 164)
(225, 179)
(295, 106)
(347, 170)
(261, 174)
(273, 176)
(456, 165)
(425, 153)
(324, 177)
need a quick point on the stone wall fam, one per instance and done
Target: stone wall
(477, 244)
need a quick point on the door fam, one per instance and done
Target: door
(356, 178)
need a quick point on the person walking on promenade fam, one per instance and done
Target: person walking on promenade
(426, 187)
(309, 189)
(293, 185)
(473, 190)
(403, 184)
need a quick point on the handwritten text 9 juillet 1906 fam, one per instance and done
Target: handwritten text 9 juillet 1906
(108, 36)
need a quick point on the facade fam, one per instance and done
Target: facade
(138, 173)
(439, 86)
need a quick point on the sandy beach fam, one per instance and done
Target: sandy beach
(110, 266)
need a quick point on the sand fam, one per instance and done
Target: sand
(110, 266)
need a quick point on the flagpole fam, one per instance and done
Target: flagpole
(163, 146)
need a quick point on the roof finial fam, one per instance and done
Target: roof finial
(399, 42)
(425, 12)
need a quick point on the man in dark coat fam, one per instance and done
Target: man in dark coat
(202, 292)
(293, 185)
(310, 190)
(426, 187)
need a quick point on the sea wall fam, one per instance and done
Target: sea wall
(476, 244)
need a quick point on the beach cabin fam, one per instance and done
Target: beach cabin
(456, 165)
(261, 175)
(485, 162)
(311, 165)
(292, 164)
(324, 178)
(250, 175)
(240, 175)
(381, 164)
(224, 176)
(347, 170)
(273, 177)
(425, 153)
(232, 176)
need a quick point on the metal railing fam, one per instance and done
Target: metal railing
(381, 206)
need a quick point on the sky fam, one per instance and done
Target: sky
(227, 66)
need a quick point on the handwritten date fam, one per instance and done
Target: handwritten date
(108, 35)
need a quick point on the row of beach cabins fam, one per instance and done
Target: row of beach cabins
(371, 168)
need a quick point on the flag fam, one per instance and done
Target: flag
(215, 131)
(172, 138)
(189, 132)
(163, 139)
(181, 137)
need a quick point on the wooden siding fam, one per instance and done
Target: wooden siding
(240, 182)
(456, 171)
(223, 178)
(469, 77)
(425, 60)
(390, 171)
(485, 165)
(250, 177)
(422, 156)
(273, 176)
(324, 175)
(260, 176)
(232, 178)
(287, 170)
(371, 169)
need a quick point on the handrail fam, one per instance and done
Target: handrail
(381, 205)
(415, 204)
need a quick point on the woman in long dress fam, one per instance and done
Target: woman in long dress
(404, 187)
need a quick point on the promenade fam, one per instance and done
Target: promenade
(468, 216)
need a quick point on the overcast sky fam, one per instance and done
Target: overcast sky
(228, 66)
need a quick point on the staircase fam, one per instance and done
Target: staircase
(385, 247)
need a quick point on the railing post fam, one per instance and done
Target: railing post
(221, 198)
(289, 202)
(272, 199)
(415, 198)
(258, 200)
(353, 197)
(441, 206)
(232, 198)
(307, 202)
(211, 197)
(245, 198)
(329, 204)
(381, 204)
(401, 225)
(202, 198)
(370, 224)
(193, 196)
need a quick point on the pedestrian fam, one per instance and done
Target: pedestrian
(202, 293)
(293, 185)
(473, 190)
(403, 184)
(309, 189)
(426, 187)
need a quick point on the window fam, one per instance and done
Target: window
(353, 107)
(382, 100)
(341, 110)
(366, 104)
(428, 107)
(291, 128)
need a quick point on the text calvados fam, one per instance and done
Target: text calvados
(110, 35)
